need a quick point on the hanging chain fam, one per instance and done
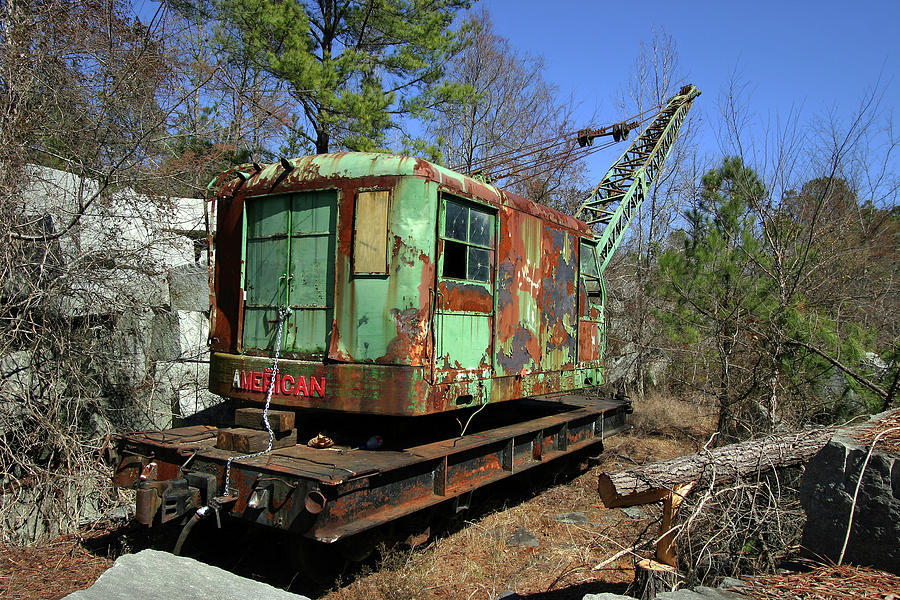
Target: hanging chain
(282, 315)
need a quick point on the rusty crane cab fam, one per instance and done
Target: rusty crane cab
(409, 289)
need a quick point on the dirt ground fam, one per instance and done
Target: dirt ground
(474, 556)
(482, 561)
(49, 571)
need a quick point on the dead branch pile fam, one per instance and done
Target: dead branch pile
(743, 527)
(825, 583)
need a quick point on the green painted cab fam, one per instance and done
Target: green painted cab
(398, 287)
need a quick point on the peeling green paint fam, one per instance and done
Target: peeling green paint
(486, 313)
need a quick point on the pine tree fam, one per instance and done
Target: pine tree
(711, 280)
(353, 67)
(757, 293)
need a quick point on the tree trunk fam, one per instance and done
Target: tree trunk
(652, 578)
(322, 141)
(720, 464)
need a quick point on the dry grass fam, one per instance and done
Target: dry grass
(661, 415)
(478, 561)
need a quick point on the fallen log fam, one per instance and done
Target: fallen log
(649, 483)
(669, 481)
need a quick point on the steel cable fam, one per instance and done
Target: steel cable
(510, 157)
(282, 315)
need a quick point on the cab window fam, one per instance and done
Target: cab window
(468, 235)
(590, 273)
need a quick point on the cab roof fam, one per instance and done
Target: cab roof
(252, 179)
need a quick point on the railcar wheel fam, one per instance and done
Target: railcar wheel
(318, 562)
(359, 547)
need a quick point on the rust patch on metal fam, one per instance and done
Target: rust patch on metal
(410, 345)
(559, 307)
(463, 296)
(588, 346)
(519, 293)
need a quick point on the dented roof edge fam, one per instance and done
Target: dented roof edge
(253, 179)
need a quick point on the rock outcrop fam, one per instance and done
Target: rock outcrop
(827, 491)
(121, 278)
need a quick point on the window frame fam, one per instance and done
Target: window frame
(467, 244)
(596, 298)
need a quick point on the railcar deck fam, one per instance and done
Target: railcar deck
(330, 494)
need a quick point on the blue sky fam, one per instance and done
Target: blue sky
(812, 57)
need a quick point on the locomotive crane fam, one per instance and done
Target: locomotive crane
(364, 309)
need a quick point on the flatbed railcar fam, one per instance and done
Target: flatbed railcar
(401, 297)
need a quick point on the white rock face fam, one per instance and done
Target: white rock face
(16, 375)
(141, 261)
(189, 286)
(128, 272)
(131, 348)
(16, 380)
(193, 331)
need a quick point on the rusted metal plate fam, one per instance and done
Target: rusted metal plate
(558, 300)
(589, 341)
(518, 348)
(128, 471)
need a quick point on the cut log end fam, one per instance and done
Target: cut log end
(652, 578)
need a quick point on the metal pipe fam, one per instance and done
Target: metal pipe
(315, 502)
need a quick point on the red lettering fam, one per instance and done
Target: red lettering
(287, 385)
(301, 389)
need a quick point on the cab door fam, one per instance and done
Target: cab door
(289, 254)
(591, 299)
(464, 303)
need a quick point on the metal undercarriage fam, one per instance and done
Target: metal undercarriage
(331, 494)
